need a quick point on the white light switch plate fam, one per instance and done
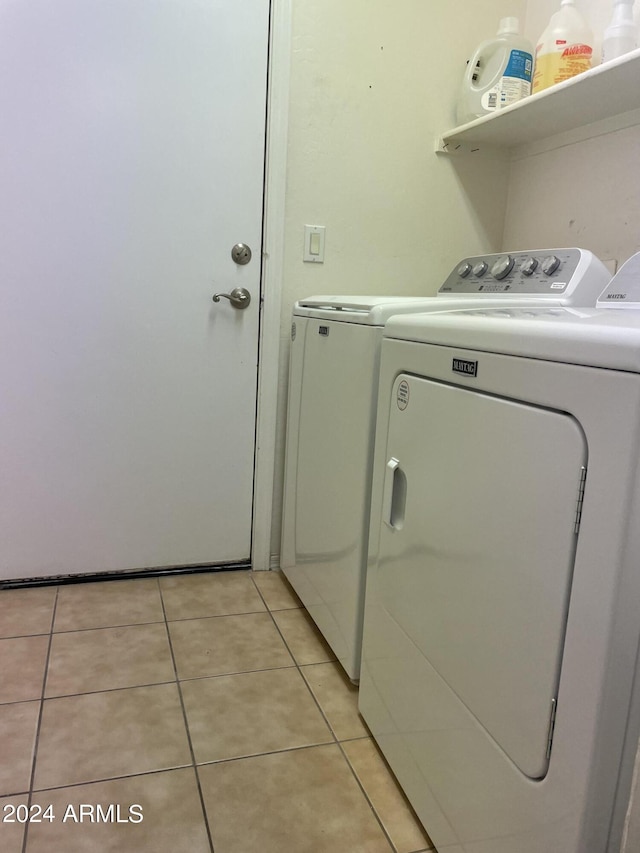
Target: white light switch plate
(314, 244)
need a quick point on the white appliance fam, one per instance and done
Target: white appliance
(502, 614)
(333, 382)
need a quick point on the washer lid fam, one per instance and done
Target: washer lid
(368, 310)
(377, 310)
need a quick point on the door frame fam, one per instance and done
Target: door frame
(271, 284)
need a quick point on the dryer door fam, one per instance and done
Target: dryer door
(477, 551)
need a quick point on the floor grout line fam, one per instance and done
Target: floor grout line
(85, 782)
(108, 690)
(337, 741)
(24, 636)
(331, 729)
(218, 616)
(297, 665)
(109, 627)
(186, 725)
(236, 672)
(36, 740)
(367, 798)
(20, 702)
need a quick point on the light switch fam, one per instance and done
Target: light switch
(314, 244)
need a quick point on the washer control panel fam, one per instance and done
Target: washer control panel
(532, 273)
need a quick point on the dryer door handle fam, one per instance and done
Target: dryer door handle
(394, 495)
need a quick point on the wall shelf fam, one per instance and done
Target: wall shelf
(601, 93)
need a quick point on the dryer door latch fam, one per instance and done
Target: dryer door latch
(578, 518)
(552, 724)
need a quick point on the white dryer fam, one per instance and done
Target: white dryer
(502, 614)
(333, 381)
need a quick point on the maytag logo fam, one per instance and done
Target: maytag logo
(467, 368)
(616, 295)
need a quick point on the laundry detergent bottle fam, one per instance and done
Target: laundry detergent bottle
(498, 74)
(564, 49)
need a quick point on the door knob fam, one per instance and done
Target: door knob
(239, 297)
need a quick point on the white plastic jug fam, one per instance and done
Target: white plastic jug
(498, 74)
(621, 35)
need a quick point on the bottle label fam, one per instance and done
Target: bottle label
(519, 66)
(514, 85)
(552, 68)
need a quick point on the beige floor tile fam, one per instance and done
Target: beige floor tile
(26, 611)
(304, 801)
(22, 663)
(390, 804)
(209, 594)
(337, 697)
(276, 590)
(238, 715)
(303, 638)
(102, 735)
(108, 658)
(226, 644)
(172, 819)
(17, 738)
(108, 604)
(11, 833)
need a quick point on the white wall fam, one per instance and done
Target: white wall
(583, 194)
(372, 86)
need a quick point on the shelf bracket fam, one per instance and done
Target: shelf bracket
(454, 146)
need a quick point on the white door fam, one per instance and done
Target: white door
(131, 162)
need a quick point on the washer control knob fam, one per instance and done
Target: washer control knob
(480, 269)
(529, 266)
(502, 267)
(550, 265)
(464, 269)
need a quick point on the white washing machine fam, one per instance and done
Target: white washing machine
(333, 383)
(502, 616)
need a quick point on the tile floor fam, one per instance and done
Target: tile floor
(208, 700)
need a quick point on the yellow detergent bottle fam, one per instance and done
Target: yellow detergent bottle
(564, 49)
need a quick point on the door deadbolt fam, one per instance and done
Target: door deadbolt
(241, 254)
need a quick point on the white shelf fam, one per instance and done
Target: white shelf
(601, 93)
